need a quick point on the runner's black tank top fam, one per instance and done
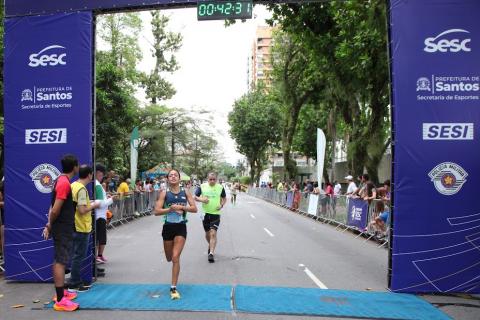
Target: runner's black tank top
(175, 198)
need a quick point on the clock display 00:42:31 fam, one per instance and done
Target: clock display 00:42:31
(226, 9)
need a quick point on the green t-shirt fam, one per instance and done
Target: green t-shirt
(214, 196)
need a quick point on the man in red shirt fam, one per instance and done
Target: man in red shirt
(61, 224)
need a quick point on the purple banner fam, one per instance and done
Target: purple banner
(435, 52)
(48, 113)
(357, 213)
(34, 7)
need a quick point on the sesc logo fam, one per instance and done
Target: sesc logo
(45, 136)
(48, 57)
(448, 131)
(454, 44)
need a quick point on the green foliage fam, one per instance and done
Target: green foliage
(116, 112)
(245, 180)
(165, 44)
(346, 43)
(120, 31)
(255, 126)
(296, 81)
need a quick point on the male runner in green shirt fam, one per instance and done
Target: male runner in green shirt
(213, 198)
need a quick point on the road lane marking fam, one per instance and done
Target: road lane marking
(309, 273)
(253, 217)
(269, 233)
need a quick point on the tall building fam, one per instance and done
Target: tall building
(260, 65)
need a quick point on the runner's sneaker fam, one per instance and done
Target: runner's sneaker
(65, 305)
(99, 260)
(78, 288)
(211, 259)
(174, 294)
(66, 294)
(73, 286)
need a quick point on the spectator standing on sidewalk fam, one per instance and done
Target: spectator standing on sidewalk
(337, 191)
(362, 188)
(83, 226)
(101, 213)
(280, 187)
(384, 192)
(297, 195)
(370, 192)
(352, 187)
(123, 189)
(61, 223)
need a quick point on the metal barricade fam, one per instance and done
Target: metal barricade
(330, 210)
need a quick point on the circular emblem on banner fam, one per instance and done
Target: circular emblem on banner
(423, 84)
(44, 176)
(448, 178)
(27, 95)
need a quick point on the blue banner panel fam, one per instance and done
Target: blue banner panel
(435, 52)
(31, 7)
(357, 213)
(48, 113)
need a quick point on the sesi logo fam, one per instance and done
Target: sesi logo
(448, 131)
(48, 57)
(45, 136)
(454, 44)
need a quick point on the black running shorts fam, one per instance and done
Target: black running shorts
(62, 235)
(101, 231)
(172, 230)
(211, 221)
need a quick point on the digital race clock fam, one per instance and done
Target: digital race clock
(220, 10)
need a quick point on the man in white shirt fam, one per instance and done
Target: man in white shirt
(352, 187)
(337, 188)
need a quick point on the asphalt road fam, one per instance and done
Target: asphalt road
(259, 244)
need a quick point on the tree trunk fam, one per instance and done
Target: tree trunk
(258, 171)
(252, 169)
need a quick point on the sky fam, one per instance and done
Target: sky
(213, 64)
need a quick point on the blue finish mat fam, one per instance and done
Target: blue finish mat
(156, 297)
(339, 303)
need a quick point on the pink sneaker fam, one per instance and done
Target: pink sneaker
(65, 305)
(67, 294)
(101, 259)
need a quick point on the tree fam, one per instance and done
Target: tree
(154, 127)
(119, 31)
(255, 126)
(347, 42)
(115, 114)
(164, 44)
(226, 170)
(296, 80)
(116, 77)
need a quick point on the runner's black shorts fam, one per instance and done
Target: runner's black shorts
(101, 231)
(172, 230)
(211, 221)
(62, 235)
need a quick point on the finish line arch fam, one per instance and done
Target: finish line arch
(435, 68)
